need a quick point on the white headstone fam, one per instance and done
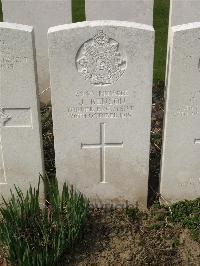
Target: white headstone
(184, 11)
(140, 11)
(41, 14)
(101, 78)
(180, 175)
(20, 134)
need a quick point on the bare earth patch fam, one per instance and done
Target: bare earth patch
(110, 238)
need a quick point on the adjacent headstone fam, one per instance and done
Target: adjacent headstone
(180, 174)
(41, 14)
(20, 134)
(101, 78)
(182, 12)
(140, 11)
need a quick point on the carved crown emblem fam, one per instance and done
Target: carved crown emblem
(100, 60)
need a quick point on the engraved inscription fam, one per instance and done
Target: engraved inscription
(114, 104)
(100, 60)
(191, 107)
(8, 58)
(102, 146)
(9, 61)
(195, 182)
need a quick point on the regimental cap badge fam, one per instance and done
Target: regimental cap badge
(101, 38)
(100, 60)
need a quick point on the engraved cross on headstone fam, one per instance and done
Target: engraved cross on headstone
(102, 146)
(197, 141)
(16, 117)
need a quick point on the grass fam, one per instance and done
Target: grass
(161, 14)
(1, 15)
(186, 213)
(39, 235)
(78, 10)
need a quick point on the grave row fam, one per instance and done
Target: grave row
(43, 14)
(101, 80)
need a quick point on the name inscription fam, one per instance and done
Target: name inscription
(102, 104)
(190, 182)
(9, 61)
(191, 106)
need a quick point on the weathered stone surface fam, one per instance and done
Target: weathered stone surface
(20, 139)
(180, 175)
(140, 11)
(184, 11)
(101, 78)
(41, 14)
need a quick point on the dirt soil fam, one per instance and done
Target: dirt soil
(111, 238)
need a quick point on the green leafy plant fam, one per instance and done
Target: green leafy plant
(133, 212)
(187, 213)
(175, 241)
(156, 225)
(34, 234)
